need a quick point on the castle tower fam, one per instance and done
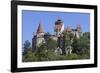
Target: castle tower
(79, 31)
(40, 31)
(68, 29)
(38, 38)
(78, 28)
(40, 35)
(59, 27)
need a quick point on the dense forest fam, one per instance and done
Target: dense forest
(45, 52)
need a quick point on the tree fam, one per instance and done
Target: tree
(82, 46)
(67, 38)
(87, 35)
(85, 43)
(51, 44)
(75, 45)
(45, 49)
(27, 46)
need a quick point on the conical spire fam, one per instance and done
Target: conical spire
(40, 28)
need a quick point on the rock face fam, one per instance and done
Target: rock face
(41, 37)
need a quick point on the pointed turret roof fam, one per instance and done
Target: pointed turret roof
(40, 28)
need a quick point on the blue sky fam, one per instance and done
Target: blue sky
(31, 20)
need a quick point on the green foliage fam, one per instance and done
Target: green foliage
(29, 57)
(41, 52)
(67, 38)
(27, 46)
(72, 56)
(45, 51)
(51, 44)
(50, 56)
(82, 46)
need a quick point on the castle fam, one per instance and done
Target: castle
(38, 38)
